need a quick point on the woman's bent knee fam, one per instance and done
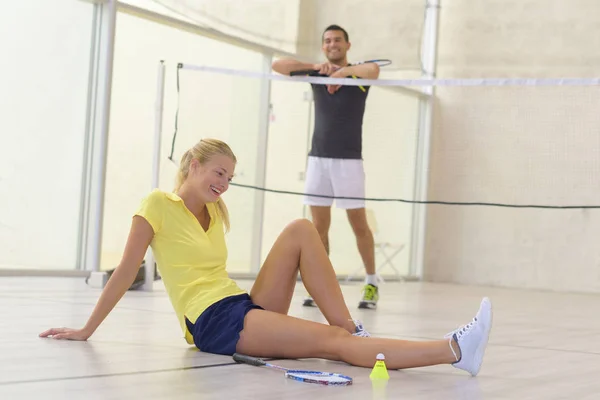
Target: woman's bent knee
(301, 225)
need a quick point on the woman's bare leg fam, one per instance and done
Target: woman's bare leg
(300, 249)
(270, 334)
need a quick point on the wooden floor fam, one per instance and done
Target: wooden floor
(543, 346)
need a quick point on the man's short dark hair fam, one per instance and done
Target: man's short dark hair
(336, 28)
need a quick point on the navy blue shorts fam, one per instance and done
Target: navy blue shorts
(217, 329)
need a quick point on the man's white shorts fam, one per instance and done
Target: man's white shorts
(334, 177)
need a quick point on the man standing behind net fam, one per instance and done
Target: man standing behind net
(335, 165)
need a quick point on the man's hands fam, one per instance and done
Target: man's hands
(287, 66)
(368, 71)
(326, 68)
(339, 73)
(332, 71)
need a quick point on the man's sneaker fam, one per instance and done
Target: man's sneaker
(370, 297)
(308, 302)
(472, 339)
(360, 330)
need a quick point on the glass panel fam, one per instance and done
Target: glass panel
(289, 128)
(46, 53)
(389, 151)
(206, 105)
(272, 23)
(390, 130)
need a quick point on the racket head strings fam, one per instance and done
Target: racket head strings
(322, 378)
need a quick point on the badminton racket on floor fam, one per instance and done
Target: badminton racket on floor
(319, 377)
(382, 62)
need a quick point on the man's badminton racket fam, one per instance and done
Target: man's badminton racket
(382, 62)
(319, 377)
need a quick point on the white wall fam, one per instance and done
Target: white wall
(272, 23)
(516, 145)
(525, 38)
(159, 8)
(44, 70)
(385, 29)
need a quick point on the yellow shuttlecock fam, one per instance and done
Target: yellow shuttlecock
(379, 370)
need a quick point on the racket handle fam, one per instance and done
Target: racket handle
(241, 358)
(309, 72)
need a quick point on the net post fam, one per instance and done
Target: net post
(261, 164)
(158, 117)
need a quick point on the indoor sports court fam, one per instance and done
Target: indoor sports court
(467, 226)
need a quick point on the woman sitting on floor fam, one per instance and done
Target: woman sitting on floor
(186, 230)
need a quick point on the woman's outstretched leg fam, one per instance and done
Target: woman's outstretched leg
(300, 249)
(268, 334)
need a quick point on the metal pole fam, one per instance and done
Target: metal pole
(309, 126)
(158, 120)
(261, 165)
(425, 130)
(99, 130)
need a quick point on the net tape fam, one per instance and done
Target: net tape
(401, 82)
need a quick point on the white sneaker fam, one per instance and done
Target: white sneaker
(360, 330)
(472, 339)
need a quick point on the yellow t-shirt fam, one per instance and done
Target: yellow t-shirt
(191, 261)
